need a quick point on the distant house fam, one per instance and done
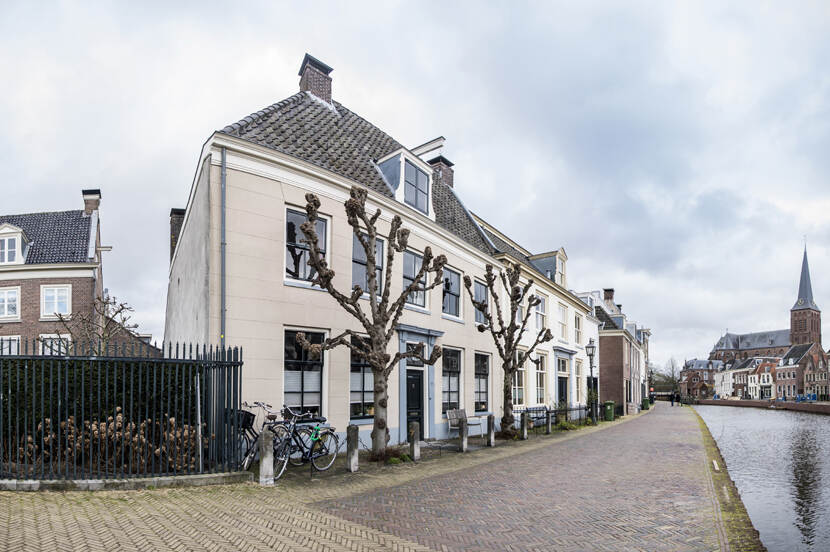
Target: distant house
(50, 267)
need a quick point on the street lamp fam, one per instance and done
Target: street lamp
(591, 349)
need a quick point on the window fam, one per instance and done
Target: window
(411, 266)
(10, 303)
(480, 295)
(519, 315)
(417, 347)
(452, 293)
(360, 275)
(578, 381)
(54, 344)
(560, 271)
(8, 250)
(482, 382)
(519, 386)
(450, 376)
(361, 386)
(541, 313)
(563, 321)
(10, 345)
(562, 365)
(541, 378)
(416, 187)
(296, 251)
(578, 329)
(55, 300)
(303, 375)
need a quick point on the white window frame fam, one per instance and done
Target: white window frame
(415, 306)
(380, 264)
(578, 369)
(428, 192)
(563, 321)
(541, 312)
(460, 378)
(5, 341)
(46, 351)
(489, 380)
(541, 371)
(475, 310)
(560, 271)
(14, 318)
(297, 282)
(44, 315)
(17, 249)
(324, 385)
(578, 329)
(523, 387)
(460, 315)
(562, 361)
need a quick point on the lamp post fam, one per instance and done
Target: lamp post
(591, 350)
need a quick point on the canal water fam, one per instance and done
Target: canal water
(780, 462)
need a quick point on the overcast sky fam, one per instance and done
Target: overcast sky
(679, 152)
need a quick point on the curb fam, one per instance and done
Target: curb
(199, 480)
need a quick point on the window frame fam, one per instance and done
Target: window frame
(6, 341)
(578, 328)
(364, 369)
(6, 317)
(518, 387)
(305, 362)
(563, 321)
(541, 370)
(379, 246)
(44, 315)
(326, 220)
(445, 292)
(478, 313)
(50, 351)
(407, 280)
(541, 313)
(480, 374)
(447, 378)
(17, 250)
(416, 187)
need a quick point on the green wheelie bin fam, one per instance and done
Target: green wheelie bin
(608, 408)
(646, 403)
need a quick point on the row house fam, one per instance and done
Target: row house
(239, 272)
(623, 352)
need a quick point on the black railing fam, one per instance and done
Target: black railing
(578, 415)
(98, 412)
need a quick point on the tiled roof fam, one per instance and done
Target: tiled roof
(59, 237)
(796, 353)
(327, 135)
(504, 247)
(756, 340)
(603, 317)
(451, 214)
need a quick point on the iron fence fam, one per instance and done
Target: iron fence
(99, 412)
(578, 415)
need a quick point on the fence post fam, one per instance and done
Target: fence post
(523, 427)
(352, 447)
(491, 430)
(199, 424)
(266, 457)
(548, 422)
(462, 434)
(414, 437)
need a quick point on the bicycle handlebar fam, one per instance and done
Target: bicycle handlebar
(295, 414)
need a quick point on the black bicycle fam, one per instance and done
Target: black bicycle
(301, 443)
(248, 437)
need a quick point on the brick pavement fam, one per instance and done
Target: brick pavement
(636, 485)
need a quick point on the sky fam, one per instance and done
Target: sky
(678, 151)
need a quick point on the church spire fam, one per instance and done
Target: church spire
(805, 288)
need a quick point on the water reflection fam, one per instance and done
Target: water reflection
(806, 481)
(777, 459)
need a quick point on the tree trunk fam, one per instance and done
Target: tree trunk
(380, 433)
(507, 419)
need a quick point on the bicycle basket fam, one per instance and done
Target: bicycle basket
(245, 419)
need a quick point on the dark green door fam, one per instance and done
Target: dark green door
(415, 398)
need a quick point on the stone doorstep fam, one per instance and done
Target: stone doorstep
(124, 484)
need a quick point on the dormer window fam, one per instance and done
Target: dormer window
(416, 187)
(13, 244)
(9, 250)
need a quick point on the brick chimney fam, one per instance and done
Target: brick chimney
(442, 170)
(176, 220)
(608, 294)
(314, 78)
(92, 200)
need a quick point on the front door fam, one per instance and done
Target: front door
(415, 398)
(562, 391)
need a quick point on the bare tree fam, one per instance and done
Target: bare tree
(380, 321)
(107, 322)
(508, 336)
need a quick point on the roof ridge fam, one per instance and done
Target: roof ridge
(42, 213)
(256, 115)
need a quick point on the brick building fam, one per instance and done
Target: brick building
(50, 264)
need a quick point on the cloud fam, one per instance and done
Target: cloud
(677, 150)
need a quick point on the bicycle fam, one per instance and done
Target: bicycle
(317, 444)
(248, 437)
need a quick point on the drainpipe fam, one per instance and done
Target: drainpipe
(222, 247)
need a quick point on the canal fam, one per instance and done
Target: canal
(780, 462)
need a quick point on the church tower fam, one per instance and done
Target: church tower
(805, 316)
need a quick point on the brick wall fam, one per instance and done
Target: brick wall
(30, 325)
(611, 370)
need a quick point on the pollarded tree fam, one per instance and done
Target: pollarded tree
(508, 336)
(380, 320)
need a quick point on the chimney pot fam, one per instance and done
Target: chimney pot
(176, 221)
(92, 200)
(442, 170)
(608, 294)
(619, 306)
(314, 78)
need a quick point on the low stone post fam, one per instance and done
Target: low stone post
(266, 457)
(414, 438)
(523, 427)
(462, 434)
(352, 447)
(491, 430)
(548, 423)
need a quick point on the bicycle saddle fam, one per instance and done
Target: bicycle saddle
(271, 417)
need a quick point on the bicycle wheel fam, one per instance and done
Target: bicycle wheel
(324, 450)
(297, 454)
(250, 455)
(282, 448)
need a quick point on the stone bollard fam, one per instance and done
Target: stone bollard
(266, 457)
(523, 427)
(491, 430)
(462, 434)
(414, 438)
(352, 447)
(548, 423)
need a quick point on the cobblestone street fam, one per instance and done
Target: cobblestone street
(640, 484)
